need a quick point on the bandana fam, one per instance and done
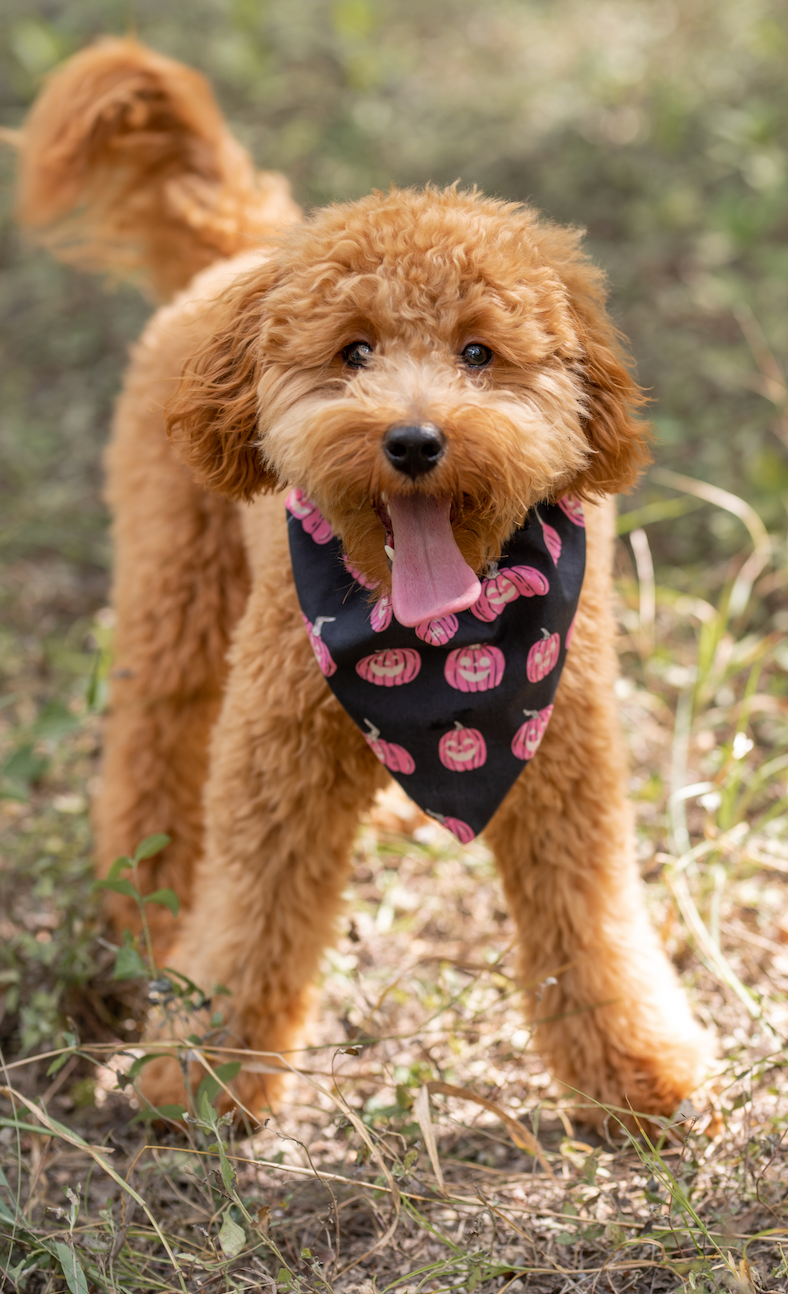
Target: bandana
(456, 707)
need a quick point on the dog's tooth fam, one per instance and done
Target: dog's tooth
(384, 497)
(389, 551)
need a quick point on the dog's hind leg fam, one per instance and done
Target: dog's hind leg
(290, 776)
(610, 1017)
(181, 581)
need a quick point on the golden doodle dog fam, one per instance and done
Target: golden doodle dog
(427, 372)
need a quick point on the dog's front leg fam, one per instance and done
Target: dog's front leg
(610, 1017)
(290, 775)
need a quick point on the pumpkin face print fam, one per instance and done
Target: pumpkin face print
(437, 632)
(504, 586)
(462, 749)
(543, 656)
(310, 516)
(390, 668)
(474, 669)
(526, 739)
(395, 758)
(322, 654)
(552, 539)
(380, 616)
(572, 507)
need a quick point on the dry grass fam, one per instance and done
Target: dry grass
(373, 1177)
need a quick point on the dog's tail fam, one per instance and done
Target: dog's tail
(127, 165)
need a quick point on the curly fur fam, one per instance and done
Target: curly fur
(246, 758)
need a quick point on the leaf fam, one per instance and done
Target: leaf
(72, 1270)
(166, 897)
(232, 1238)
(25, 766)
(121, 886)
(141, 1061)
(226, 1168)
(129, 964)
(120, 865)
(421, 1111)
(149, 846)
(58, 1063)
(55, 720)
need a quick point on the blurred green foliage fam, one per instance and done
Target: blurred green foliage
(660, 128)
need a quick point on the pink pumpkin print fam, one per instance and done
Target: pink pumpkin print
(543, 656)
(309, 515)
(322, 654)
(437, 632)
(572, 506)
(526, 739)
(497, 592)
(462, 749)
(570, 631)
(390, 668)
(460, 829)
(380, 616)
(395, 758)
(552, 539)
(456, 826)
(474, 669)
(527, 580)
(358, 576)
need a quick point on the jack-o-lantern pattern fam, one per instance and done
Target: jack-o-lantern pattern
(310, 516)
(381, 613)
(463, 749)
(390, 668)
(526, 739)
(474, 669)
(438, 632)
(543, 656)
(506, 585)
(395, 758)
(466, 693)
(572, 507)
(322, 654)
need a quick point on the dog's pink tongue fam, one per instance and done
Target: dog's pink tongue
(430, 577)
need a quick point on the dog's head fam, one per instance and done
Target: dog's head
(426, 366)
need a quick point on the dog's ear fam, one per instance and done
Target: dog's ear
(213, 419)
(619, 439)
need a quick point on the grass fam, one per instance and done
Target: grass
(422, 1145)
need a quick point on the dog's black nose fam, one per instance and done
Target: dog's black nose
(414, 450)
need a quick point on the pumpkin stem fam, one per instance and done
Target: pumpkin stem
(545, 633)
(458, 725)
(324, 620)
(531, 714)
(374, 732)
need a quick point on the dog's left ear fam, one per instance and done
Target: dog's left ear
(619, 439)
(213, 419)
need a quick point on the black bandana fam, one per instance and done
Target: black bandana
(455, 707)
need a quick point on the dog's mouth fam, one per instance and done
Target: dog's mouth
(430, 577)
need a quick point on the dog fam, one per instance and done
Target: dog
(421, 371)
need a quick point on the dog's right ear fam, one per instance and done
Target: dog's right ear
(213, 419)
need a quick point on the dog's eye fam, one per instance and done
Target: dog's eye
(476, 356)
(356, 354)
